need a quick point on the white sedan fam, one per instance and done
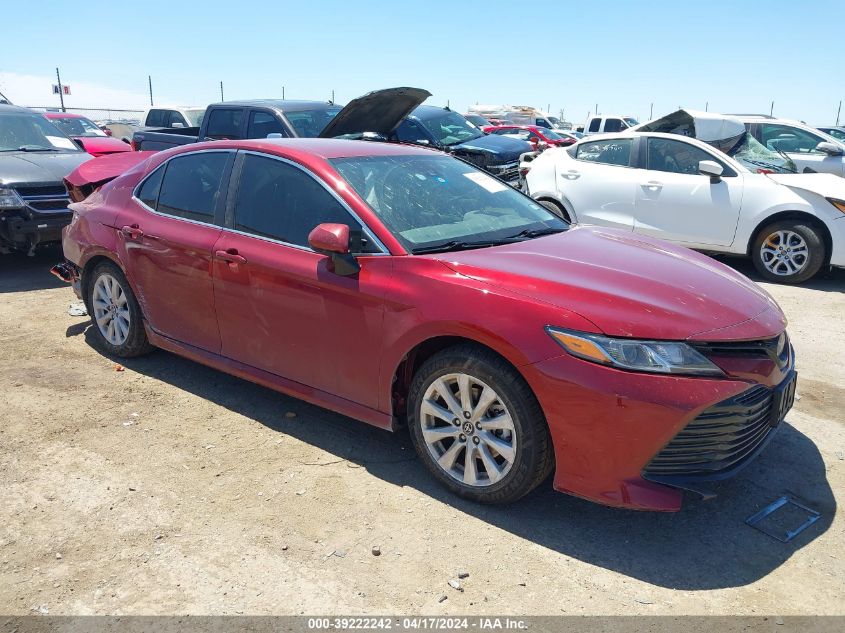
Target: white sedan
(685, 191)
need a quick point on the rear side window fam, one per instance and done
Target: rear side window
(156, 118)
(148, 193)
(224, 124)
(262, 123)
(609, 152)
(191, 185)
(613, 125)
(594, 125)
(282, 202)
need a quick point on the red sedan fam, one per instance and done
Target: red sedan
(94, 140)
(534, 134)
(401, 286)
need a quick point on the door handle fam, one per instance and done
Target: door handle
(230, 255)
(653, 185)
(571, 175)
(131, 232)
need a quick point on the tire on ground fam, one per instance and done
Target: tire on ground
(812, 236)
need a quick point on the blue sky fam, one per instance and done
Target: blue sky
(738, 56)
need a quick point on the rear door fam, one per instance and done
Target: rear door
(674, 202)
(166, 240)
(279, 307)
(600, 183)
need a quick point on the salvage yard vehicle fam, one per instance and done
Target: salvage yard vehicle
(173, 117)
(685, 191)
(450, 132)
(87, 133)
(608, 123)
(810, 149)
(537, 136)
(398, 285)
(377, 113)
(34, 158)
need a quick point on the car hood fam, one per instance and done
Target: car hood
(22, 168)
(628, 285)
(825, 185)
(380, 111)
(103, 144)
(501, 149)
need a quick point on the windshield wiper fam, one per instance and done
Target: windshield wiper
(36, 148)
(788, 160)
(530, 233)
(456, 245)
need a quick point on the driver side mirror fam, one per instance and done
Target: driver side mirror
(829, 148)
(333, 240)
(710, 168)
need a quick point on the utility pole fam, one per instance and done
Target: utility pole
(332, 96)
(597, 109)
(283, 92)
(221, 91)
(61, 91)
(706, 106)
(651, 111)
(772, 109)
(150, 80)
(838, 111)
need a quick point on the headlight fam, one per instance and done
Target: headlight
(839, 204)
(9, 199)
(660, 357)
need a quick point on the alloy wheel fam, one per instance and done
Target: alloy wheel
(784, 253)
(111, 309)
(468, 430)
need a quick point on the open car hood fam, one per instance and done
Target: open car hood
(91, 175)
(380, 112)
(718, 130)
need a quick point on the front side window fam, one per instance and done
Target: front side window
(224, 123)
(282, 202)
(613, 125)
(156, 118)
(261, 124)
(786, 138)
(450, 128)
(615, 151)
(674, 156)
(438, 201)
(191, 185)
(594, 125)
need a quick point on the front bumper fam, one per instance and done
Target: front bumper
(25, 231)
(608, 426)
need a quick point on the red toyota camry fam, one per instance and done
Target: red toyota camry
(401, 286)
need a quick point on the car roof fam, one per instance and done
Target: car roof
(13, 109)
(288, 105)
(63, 115)
(424, 112)
(325, 148)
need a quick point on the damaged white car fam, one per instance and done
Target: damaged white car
(700, 180)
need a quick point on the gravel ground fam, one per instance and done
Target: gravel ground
(172, 488)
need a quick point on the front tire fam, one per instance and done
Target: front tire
(115, 313)
(789, 251)
(477, 426)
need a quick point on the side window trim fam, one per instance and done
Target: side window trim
(232, 194)
(219, 210)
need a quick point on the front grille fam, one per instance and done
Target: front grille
(507, 172)
(46, 190)
(47, 199)
(776, 349)
(718, 442)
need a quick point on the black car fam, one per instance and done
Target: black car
(448, 131)
(34, 158)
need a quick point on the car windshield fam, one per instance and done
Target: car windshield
(755, 156)
(479, 121)
(552, 136)
(309, 123)
(450, 128)
(631, 121)
(32, 133)
(194, 116)
(440, 203)
(77, 127)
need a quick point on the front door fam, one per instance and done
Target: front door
(676, 203)
(166, 240)
(279, 307)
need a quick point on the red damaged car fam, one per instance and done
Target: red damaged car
(401, 286)
(534, 134)
(95, 141)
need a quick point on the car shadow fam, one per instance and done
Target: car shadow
(19, 273)
(831, 280)
(706, 545)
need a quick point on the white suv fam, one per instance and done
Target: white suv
(810, 149)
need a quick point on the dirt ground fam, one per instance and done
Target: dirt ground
(172, 488)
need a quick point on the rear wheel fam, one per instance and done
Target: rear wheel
(477, 426)
(789, 251)
(118, 323)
